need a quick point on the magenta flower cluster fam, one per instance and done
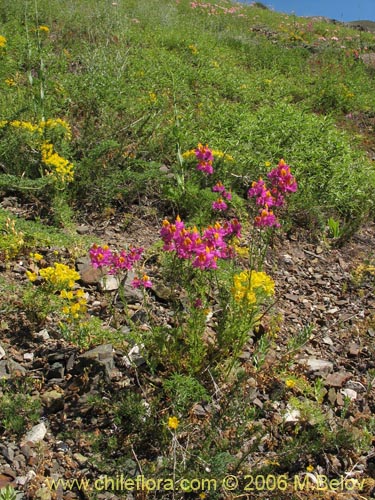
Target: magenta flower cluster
(282, 183)
(205, 157)
(203, 249)
(118, 262)
(220, 204)
(115, 262)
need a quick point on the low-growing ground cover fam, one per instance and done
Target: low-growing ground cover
(186, 265)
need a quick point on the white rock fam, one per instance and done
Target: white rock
(28, 356)
(350, 393)
(109, 283)
(43, 334)
(35, 434)
(134, 357)
(292, 415)
(2, 353)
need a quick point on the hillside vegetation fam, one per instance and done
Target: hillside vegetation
(186, 234)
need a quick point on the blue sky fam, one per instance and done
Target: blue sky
(342, 10)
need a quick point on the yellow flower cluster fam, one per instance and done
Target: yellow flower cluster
(60, 276)
(56, 123)
(3, 41)
(249, 285)
(76, 303)
(40, 127)
(62, 169)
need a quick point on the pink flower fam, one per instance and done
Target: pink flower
(282, 179)
(218, 187)
(219, 204)
(113, 261)
(266, 218)
(206, 167)
(144, 282)
(100, 256)
(206, 259)
(204, 153)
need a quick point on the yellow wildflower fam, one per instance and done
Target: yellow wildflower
(10, 82)
(3, 41)
(249, 284)
(310, 468)
(62, 169)
(290, 383)
(43, 28)
(173, 423)
(36, 256)
(193, 49)
(152, 97)
(32, 276)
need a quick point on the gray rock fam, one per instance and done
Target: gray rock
(4, 369)
(15, 368)
(56, 370)
(292, 415)
(7, 452)
(317, 365)
(101, 355)
(35, 434)
(83, 229)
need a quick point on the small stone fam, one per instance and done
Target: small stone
(43, 334)
(7, 452)
(53, 401)
(327, 340)
(134, 357)
(109, 283)
(28, 356)
(61, 446)
(292, 416)
(349, 393)
(35, 434)
(354, 349)
(337, 379)
(318, 365)
(15, 368)
(82, 229)
(332, 396)
(89, 274)
(80, 458)
(2, 352)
